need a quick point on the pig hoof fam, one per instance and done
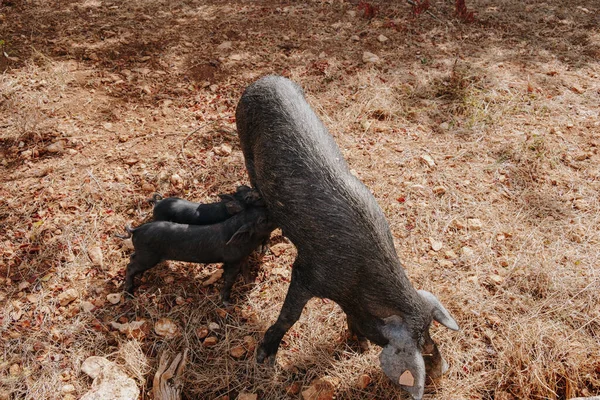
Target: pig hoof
(225, 300)
(363, 345)
(247, 278)
(262, 356)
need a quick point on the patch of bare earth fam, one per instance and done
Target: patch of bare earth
(480, 142)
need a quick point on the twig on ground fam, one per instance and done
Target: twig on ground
(412, 3)
(96, 180)
(132, 141)
(186, 139)
(167, 382)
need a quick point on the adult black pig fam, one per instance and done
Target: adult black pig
(345, 247)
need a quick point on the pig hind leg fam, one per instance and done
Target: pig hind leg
(137, 265)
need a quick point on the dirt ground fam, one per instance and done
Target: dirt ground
(479, 141)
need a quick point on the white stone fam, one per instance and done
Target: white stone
(427, 159)
(132, 329)
(67, 297)
(224, 46)
(56, 147)
(95, 255)
(87, 306)
(112, 383)
(113, 298)
(223, 150)
(436, 245)
(166, 327)
(176, 180)
(370, 57)
(467, 251)
(68, 388)
(474, 224)
(215, 276)
(26, 153)
(93, 365)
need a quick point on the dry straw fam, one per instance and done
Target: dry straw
(481, 141)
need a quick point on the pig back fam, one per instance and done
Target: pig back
(301, 174)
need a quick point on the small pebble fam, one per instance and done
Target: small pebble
(363, 381)
(68, 389)
(202, 332)
(113, 298)
(370, 57)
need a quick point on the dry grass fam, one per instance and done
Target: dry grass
(507, 108)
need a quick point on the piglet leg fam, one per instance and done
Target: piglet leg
(231, 272)
(130, 274)
(138, 264)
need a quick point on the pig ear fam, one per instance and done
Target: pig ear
(439, 313)
(401, 359)
(242, 235)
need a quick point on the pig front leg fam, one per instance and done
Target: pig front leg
(363, 343)
(295, 300)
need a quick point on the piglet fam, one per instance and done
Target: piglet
(229, 242)
(182, 211)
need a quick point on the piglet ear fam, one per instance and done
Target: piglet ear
(401, 359)
(254, 198)
(233, 207)
(242, 235)
(243, 188)
(226, 197)
(156, 197)
(439, 313)
(258, 201)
